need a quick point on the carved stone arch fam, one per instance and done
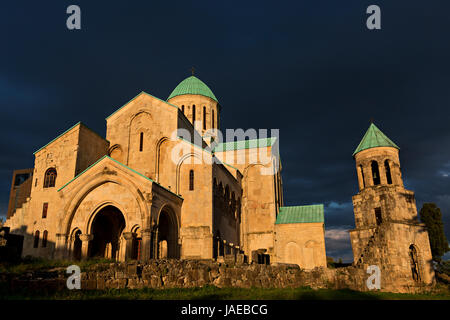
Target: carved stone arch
(387, 164)
(132, 118)
(168, 226)
(158, 155)
(75, 243)
(91, 184)
(245, 175)
(310, 254)
(88, 223)
(292, 253)
(116, 152)
(183, 158)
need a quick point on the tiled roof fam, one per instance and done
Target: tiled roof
(301, 214)
(245, 144)
(374, 138)
(192, 85)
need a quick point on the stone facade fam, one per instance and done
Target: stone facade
(149, 191)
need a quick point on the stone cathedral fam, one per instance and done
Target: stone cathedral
(147, 192)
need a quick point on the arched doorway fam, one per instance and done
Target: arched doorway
(77, 246)
(167, 245)
(414, 260)
(107, 227)
(136, 244)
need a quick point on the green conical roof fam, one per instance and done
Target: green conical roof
(192, 85)
(374, 138)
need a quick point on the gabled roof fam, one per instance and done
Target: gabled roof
(192, 85)
(121, 164)
(301, 214)
(374, 138)
(76, 124)
(141, 93)
(245, 144)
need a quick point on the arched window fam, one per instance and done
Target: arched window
(191, 180)
(193, 114)
(204, 118)
(44, 239)
(182, 108)
(141, 142)
(414, 261)
(375, 173)
(362, 176)
(50, 178)
(388, 172)
(36, 239)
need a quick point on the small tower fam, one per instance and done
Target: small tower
(388, 233)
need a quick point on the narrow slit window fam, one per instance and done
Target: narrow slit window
(204, 118)
(191, 180)
(362, 176)
(388, 172)
(141, 142)
(212, 118)
(193, 114)
(182, 108)
(44, 210)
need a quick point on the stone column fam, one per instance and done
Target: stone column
(85, 239)
(60, 246)
(128, 236)
(360, 177)
(382, 170)
(155, 244)
(146, 244)
(367, 169)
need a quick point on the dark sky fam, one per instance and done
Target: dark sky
(310, 68)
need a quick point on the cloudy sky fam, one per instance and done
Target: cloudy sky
(309, 68)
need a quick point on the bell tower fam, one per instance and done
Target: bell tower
(388, 233)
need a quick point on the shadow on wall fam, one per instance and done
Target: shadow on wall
(20, 243)
(10, 245)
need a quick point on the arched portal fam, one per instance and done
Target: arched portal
(106, 228)
(167, 245)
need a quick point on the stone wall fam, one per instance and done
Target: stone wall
(161, 274)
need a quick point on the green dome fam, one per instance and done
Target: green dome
(192, 85)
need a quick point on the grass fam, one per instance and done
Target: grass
(441, 291)
(35, 264)
(214, 293)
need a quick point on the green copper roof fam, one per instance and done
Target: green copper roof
(374, 138)
(245, 144)
(301, 214)
(192, 85)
